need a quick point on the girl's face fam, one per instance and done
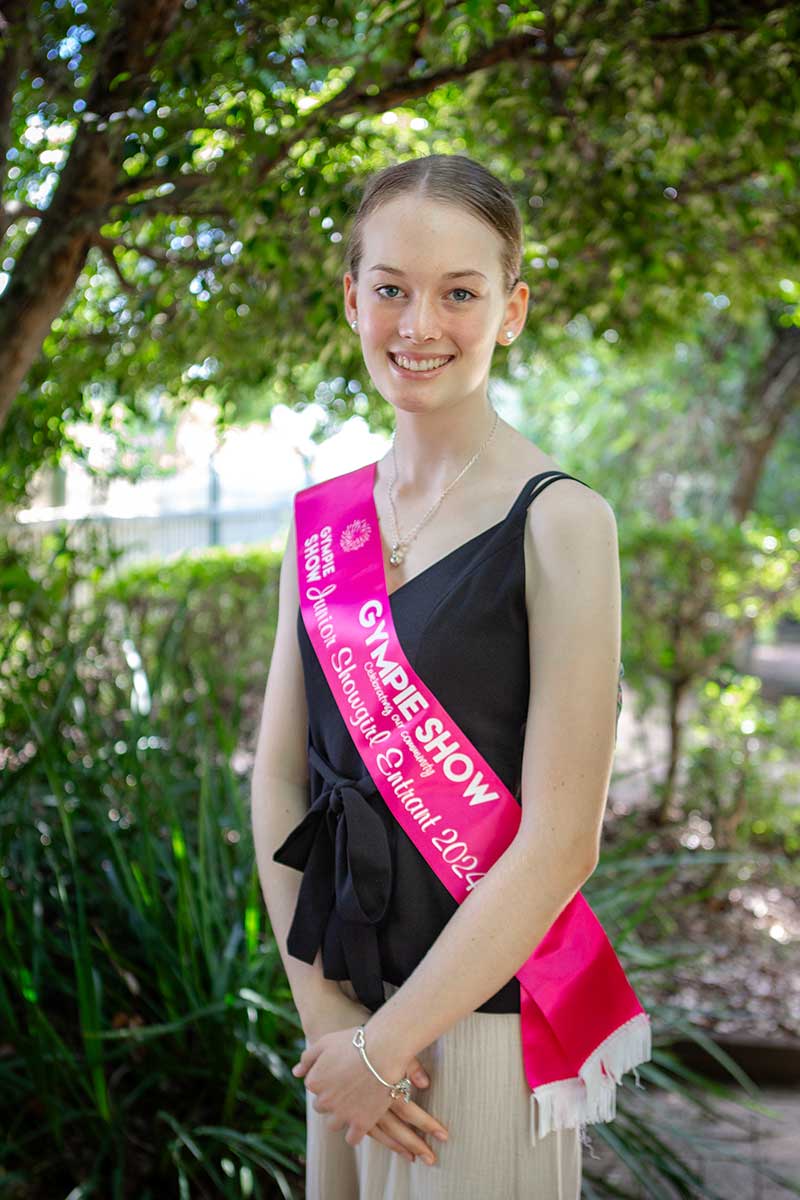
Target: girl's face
(442, 299)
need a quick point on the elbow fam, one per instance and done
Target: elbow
(586, 855)
(590, 864)
(577, 858)
(580, 861)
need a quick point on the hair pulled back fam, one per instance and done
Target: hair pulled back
(451, 179)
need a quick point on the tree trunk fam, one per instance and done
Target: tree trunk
(770, 399)
(664, 812)
(51, 260)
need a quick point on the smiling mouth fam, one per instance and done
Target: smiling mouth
(427, 372)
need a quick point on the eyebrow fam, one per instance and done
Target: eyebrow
(446, 275)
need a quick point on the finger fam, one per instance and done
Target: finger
(380, 1135)
(307, 1060)
(417, 1074)
(408, 1137)
(413, 1114)
(354, 1138)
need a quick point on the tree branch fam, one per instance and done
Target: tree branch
(536, 47)
(14, 43)
(410, 88)
(51, 260)
(691, 35)
(354, 96)
(130, 185)
(107, 245)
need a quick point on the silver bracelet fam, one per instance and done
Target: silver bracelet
(403, 1088)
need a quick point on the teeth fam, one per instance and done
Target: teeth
(427, 364)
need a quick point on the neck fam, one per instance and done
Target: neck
(432, 447)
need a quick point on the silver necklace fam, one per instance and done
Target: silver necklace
(400, 545)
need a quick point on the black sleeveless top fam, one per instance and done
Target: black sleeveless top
(367, 894)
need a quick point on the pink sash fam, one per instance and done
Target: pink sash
(582, 1026)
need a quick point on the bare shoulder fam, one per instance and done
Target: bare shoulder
(565, 505)
(570, 533)
(563, 516)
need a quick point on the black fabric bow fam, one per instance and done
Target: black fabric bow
(342, 848)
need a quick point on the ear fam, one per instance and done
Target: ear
(516, 310)
(349, 289)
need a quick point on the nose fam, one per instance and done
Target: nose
(419, 322)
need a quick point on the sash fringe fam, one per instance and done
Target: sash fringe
(591, 1096)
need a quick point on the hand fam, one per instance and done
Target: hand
(396, 1129)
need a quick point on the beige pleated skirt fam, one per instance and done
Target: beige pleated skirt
(479, 1092)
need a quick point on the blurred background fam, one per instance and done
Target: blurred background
(177, 182)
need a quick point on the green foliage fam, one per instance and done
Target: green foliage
(145, 1012)
(662, 430)
(39, 643)
(148, 1023)
(693, 591)
(651, 153)
(692, 588)
(742, 766)
(192, 636)
(203, 625)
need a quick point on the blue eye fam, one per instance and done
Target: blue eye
(383, 286)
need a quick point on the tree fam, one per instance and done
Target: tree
(178, 178)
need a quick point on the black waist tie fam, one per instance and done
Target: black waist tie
(342, 848)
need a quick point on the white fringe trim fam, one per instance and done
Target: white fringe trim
(591, 1097)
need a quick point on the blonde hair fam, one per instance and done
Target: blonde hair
(452, 179)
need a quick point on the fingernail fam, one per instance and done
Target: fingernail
(422, 1079)
(441, 1136)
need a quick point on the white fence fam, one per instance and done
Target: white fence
(163, 535)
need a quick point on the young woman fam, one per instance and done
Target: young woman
(509, 610)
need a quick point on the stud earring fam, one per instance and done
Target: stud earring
(509, 334)
(354, 324)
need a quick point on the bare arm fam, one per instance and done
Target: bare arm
(574, 603)
(279, 790)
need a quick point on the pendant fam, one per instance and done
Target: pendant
(397, 555)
